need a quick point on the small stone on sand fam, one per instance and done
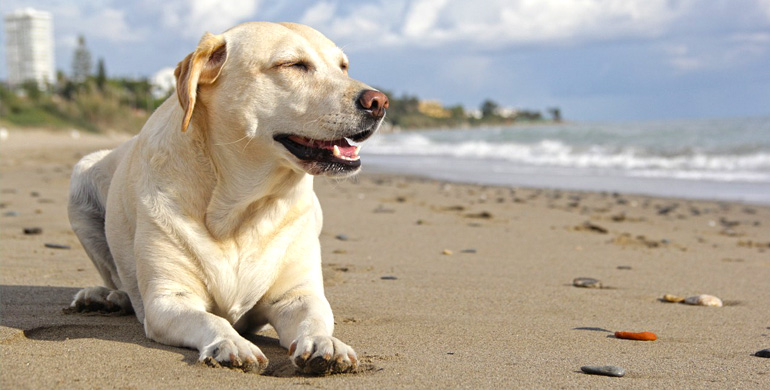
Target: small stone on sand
(342, 237)
(765, 353)
(56, 246)
(704, 300)
(33, 230)
(604, 370)
(446, 252)
(673, 298)
(587, 283)
(388, 277)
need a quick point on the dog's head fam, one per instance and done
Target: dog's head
(281, 92)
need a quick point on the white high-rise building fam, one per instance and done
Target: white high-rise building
(29, 46)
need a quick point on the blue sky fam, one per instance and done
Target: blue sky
(605, 60)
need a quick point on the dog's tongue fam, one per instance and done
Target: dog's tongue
(342, 144)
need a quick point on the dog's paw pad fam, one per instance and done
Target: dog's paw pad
(235, 354)
(323, 356)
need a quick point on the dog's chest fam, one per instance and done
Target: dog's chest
(254, 257)
(252, 264)
(242, 277)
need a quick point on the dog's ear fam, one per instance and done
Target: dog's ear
(199, 67)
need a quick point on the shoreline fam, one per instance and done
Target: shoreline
(436, 284)
(448, 169)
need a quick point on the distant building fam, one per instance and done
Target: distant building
(507, 112)
(29, 47)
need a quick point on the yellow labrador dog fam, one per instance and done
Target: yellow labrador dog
(206, 224)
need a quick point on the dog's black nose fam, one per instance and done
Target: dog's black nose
(375, 102)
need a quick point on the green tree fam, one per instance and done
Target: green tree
(81, 61)
(489, 109)
(101, 74)
(458, 112)
(32, 90)
(555, 114)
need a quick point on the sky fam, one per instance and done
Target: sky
(597, 60)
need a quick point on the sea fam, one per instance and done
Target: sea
(711, 159)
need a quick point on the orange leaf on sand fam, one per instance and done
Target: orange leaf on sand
(643, 336)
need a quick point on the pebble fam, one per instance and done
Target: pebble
(446, 252)
(604, 370)
(673, 298)
(593, 228)
(56, 246)
(388, 278)
(765, 353)
(342, 237)
(11, 214)
(703, 300)
(33, 230)
(587, 283)
(469, 250)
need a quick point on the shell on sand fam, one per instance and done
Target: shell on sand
(673, 298)
(704, 300)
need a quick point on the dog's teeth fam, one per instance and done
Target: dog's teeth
(336, 151)
(358, 149)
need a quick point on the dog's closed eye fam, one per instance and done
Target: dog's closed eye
(296, 65)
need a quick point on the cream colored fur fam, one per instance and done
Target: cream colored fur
(203, 224)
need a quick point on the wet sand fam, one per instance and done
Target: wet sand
(435, 284)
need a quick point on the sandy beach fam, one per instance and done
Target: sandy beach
(435, 285)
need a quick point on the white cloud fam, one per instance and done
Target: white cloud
(682, 59)
(720, 53)
(493, 23)
(191, 18)
(764, 5)
(422, 17)
(366, 25)
(95, 21)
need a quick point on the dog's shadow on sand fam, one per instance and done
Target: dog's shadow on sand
(37, 311)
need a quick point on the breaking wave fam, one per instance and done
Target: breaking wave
(684, 152)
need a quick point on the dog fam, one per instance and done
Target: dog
(205, 224)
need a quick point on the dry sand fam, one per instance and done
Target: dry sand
(500, 311)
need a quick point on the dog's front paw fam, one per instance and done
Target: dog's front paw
(322, 355)
(240, 354)
(100, 300)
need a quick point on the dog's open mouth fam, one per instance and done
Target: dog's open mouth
(339, 154)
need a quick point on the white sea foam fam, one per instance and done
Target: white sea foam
(726, 159)
(633, 161)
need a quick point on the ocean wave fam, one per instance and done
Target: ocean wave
(689, 164)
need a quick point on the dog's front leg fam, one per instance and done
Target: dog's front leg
(178, 317)
(304, 322)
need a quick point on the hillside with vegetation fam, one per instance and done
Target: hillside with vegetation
(92, 101)
(83, 100)
(409, 112)
(98, 104)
